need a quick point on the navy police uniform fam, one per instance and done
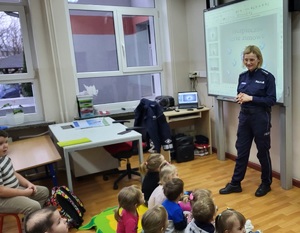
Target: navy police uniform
(255, 123)
(149, 114)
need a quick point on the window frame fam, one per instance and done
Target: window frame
(26, 45)
(31, 76)
(118, 12)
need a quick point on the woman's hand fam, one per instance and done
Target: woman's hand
(243, 98)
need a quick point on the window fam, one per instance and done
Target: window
(140, 3)
(17, 81)
(116, 52)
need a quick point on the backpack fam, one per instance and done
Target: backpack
(69, 205)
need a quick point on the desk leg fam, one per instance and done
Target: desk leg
(141, 156)
(68, 170)
(52, 174)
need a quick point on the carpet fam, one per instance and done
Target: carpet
(105, 221)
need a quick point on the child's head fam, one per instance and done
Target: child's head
(45, 220)
(155, 220)
(230, 221)
(173, 189)
(204, 210)
(3, 143)
(129, 199)
(152, 164)
(167, 173)
(199, 194)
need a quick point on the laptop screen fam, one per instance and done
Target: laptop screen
(188, 99)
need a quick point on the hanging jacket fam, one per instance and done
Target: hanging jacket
(149, 115)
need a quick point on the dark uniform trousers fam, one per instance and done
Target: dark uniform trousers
(255, 124)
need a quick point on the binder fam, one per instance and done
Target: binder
(85, 106)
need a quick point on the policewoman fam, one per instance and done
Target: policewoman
(256, 95)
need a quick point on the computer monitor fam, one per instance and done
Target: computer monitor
(188, 99)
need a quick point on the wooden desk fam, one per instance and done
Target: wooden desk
(34, 152)
(198, 122)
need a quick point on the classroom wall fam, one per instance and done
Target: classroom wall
(194, 15)
(183, 45)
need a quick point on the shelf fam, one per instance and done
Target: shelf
(184, 117)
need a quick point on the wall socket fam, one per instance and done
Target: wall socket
(197, 74)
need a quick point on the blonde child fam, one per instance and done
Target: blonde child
(150, 170)
(230, 221)
(204, 211)
(167, 173)
(155, 220)
(129, 199)
(189, 198)
(47, 220)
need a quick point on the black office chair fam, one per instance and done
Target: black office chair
(149, 121)
(124, 151)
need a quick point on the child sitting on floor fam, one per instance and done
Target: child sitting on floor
(129, 199)
(155, 220)
(190, 197)
(46, 220)
(173, 190)
(231, 220)
(167, 173)
(203, 211)
(150, 169)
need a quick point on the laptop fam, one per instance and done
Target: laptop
(188, 99)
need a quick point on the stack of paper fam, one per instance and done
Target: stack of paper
(93, 122)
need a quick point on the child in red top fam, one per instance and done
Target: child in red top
(129, 199)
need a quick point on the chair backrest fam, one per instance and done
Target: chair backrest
(127, 149)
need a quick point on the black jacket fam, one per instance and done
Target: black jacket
(150, 115)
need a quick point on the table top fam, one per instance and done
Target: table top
(185, 111)
(99, 135)
(33, 152)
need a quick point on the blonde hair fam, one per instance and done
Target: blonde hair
(199, 194)
(225, 220)
(167, 173)
(155, 220)
(129, 199)
(204, 210)
(255, 50)
(153, 163)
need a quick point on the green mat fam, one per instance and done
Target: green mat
(106, 223)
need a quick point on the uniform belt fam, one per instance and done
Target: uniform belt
(255, 110)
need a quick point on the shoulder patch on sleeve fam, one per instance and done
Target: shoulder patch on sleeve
(264, 72)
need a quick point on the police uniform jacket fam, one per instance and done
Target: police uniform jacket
(261, 85)
(150, 115)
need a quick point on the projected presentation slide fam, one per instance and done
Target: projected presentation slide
(229, 29)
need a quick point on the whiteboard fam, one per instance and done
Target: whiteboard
(229, 28)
